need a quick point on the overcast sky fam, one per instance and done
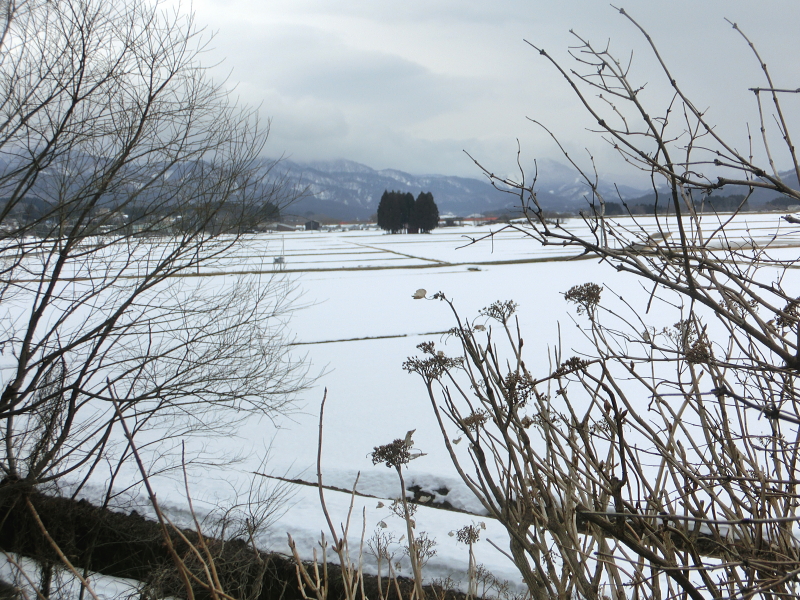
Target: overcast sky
(411, 84)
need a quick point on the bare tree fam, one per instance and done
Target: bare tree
(126, 174)
(664, 462)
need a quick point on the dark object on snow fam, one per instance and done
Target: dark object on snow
(122, 545)
(792, 219)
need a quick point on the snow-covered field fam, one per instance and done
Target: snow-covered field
(356, 325)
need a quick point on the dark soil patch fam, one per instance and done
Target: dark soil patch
(130, 546)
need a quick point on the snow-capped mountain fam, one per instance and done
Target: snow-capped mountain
(346, 189)
(561, 185)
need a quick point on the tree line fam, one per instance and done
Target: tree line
(399, 211)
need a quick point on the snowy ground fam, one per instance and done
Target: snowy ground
(356, 286)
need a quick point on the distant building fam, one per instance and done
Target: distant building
(280, 227)
(9, 225)
(450, 220)
(312, 225)
(478, 219)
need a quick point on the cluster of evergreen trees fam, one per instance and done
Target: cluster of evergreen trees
(399, 211)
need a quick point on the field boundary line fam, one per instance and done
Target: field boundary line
(516, 261)
(367, 338)
(434, 260)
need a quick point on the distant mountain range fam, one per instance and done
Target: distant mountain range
(345, 189)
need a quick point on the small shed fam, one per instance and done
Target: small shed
(280, 227)
(312, 225)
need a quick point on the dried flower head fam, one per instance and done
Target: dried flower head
(700, 352)
(544, 419)
(500, 311)
(571, 365)
(477, 419)
(424, 547)
(788, 316)
(517, 388)
(683, 333)
(434, 367)
(736, 304)
(469, 534)
(404, 510)
(395, 454)
(586, 296)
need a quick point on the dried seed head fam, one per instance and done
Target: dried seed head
(395, 454)
(476, 419)
(469, 534)
(788, 316)
(699, 353)
(571, 366)
(500, 310)
(586, 296)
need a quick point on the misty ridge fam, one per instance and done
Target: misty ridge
(348, 190)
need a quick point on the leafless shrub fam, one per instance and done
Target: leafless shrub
(314, 579)
(668, 466)
(126, 174)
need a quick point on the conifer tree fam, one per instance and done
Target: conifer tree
(390, 212)
(426, 213)
(398, 211)
(406, 202)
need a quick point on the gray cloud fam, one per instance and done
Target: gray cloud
(410, 84)
(378, 82)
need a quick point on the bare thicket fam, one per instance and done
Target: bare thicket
(316, 579)
(126, 175)
(663, 461)
(126, 172)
